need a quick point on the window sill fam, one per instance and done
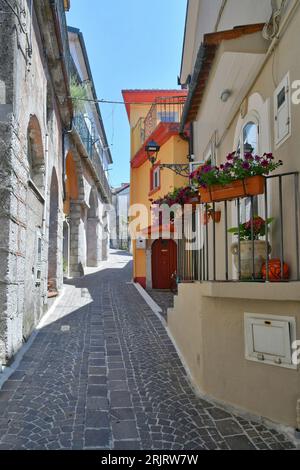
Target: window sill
(154, 191)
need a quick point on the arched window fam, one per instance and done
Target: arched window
(35, 154)
(248, 143)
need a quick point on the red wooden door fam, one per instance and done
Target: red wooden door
(164, 263)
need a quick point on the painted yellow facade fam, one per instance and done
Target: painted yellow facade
(174, 150)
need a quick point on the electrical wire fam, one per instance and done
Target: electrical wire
(21, 26)
(102, 101)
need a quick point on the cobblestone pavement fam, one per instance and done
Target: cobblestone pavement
(164, 299)
(103, 374)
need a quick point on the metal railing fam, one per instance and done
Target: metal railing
(101, 176)
(138, 136)
(72, 70)
(166, 109)
(84, 133)
(88, 140)
(220, 256)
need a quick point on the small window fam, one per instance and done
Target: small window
(156, 178)
(282, 112)
(209, 155)
(248, 143)
(38, 259)
(167, 116)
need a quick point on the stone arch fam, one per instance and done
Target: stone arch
(73, 166)
(74, 198)
(35, 154)
(53, 274)
(93, 254)
(71, 182)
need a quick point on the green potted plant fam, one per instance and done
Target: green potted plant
(78, 93)
(250, 233)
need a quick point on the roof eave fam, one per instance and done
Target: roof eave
(207, 52)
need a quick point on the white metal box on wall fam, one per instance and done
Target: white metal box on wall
(269, 339)
(141, 243)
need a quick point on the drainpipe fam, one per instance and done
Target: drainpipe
(189, 139)
(46, 183)
(191, 143)
(220, 14)
(283, 26)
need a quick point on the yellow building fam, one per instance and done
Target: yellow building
(154, 115)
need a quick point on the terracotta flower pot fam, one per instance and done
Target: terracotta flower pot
(246, 248)
(275, 272)
(216, 216)
(205, 218)
(252, 186)
(194, 200)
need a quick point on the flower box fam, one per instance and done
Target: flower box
(193, 200)
(251, 186)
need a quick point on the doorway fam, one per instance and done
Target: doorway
(164, 263)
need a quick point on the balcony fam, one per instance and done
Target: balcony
(167, 110)
(271, 256)
(87, 139)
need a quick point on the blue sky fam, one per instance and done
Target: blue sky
(131, 44)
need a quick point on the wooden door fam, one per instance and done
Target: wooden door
(164, 263)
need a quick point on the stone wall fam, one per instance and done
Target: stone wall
(24, 214)
(33, 140)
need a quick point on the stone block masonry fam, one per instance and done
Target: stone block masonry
(24, 85)
(34, 133)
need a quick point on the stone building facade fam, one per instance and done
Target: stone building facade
(36, 134)
(88, 156)
(120, 237)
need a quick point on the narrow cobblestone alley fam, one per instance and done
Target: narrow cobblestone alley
(102, 373)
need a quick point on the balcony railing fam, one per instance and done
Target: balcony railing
(166, 109)
(84, 133)
(101, 176)
(216, 255)
(138, 135)
(87, 139)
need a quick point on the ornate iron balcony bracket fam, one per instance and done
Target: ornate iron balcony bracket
(181, 169)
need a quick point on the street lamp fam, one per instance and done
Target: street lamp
(181, 169)
(152, 149)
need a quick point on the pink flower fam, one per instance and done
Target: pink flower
(230, 156)
(228, 166)
(269, 156)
